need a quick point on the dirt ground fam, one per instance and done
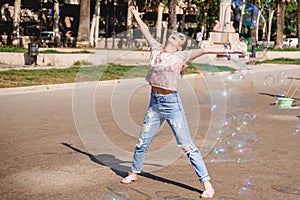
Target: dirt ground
(44, 157)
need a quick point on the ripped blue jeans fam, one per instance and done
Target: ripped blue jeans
(168, 107)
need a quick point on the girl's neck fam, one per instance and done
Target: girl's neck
(169, 49)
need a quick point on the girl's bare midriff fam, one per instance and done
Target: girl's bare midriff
(161, 91)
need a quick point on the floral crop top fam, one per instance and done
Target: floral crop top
(165, 68)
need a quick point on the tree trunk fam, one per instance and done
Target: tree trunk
(56, 24)
(129, 15)
(16, 26)
(129, 32)
(84, 24)
(242, 16)
(298, 13)
(271, 14)
(95, 25)
(159, 19)
(280, 23)
(172, 15)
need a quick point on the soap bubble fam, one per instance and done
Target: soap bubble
(243, 75)
(245, 186)
(228, 119)
(247, 15)
(218, 153)
(213, 107)
(225, 134)
(269, 80)
(252, 16)
(243, 121)
(112, 195)
(242, 147)
(283, 83)
(282, 78)
(296, 131)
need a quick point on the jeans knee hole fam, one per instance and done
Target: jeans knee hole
(187, 149)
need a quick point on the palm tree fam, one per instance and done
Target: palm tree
(281, 5)
(16, 25)
(84, 24)
(172, 15)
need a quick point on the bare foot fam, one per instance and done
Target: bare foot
(130, 178)
(208, 190)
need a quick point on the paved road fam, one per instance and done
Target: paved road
(47, 154)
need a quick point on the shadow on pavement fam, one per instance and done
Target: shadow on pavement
(123, 170)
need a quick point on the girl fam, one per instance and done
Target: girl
(165, 67)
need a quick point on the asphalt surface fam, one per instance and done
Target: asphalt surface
(48, 153)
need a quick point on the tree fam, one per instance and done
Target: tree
(271, 14)
(95, 24)
(57, 38)
(129, 16)
(281, 5)
(160, 10)
(84, 24)
(298, 24)
(291, 19)
(172, 15)
(16, 23)
(209, 14)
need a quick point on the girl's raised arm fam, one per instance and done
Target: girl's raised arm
(144, 28)
(214, 50)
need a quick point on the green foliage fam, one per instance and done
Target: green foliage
(291, 18)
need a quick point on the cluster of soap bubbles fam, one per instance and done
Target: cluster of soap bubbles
(235, 140)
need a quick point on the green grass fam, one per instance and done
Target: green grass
(19, 78)
(286, 49)
(13, 50)
(47, 51)
(295, 61)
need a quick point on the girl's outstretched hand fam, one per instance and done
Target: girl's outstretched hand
(134, 11)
